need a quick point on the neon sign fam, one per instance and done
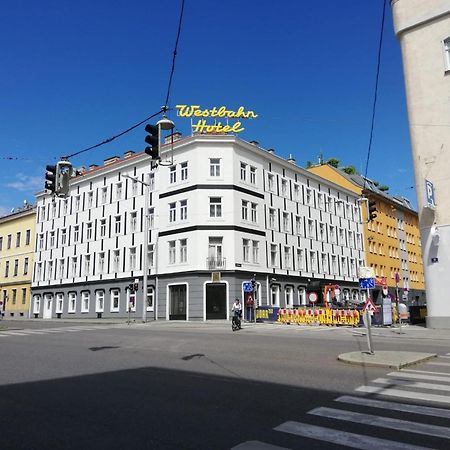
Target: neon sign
(202, 126)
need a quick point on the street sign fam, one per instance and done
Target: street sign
(366, 272)
(370, 306)
(367, 283)
(248, 286)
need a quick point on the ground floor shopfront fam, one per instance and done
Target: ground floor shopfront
(188, 296)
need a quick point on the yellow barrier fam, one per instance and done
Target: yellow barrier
(319, 316)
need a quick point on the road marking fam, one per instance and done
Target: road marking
(416, 409)
(384, 422)
(437, 364)
(426, 371)
(418, 376)
(15, 333)
(413, 384)
(257, 445)
(3, 335)
(404, 394)
(342, 438)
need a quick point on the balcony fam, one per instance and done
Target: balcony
(216, 263)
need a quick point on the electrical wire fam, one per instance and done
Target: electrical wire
(174, 56)
(376, 92)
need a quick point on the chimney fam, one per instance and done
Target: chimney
(128, 154)
(291, 159)
(254, 143)
(110, 160)
(271, 151)
(93, 166)
(176, 137)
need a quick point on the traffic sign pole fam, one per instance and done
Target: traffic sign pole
(369, 329)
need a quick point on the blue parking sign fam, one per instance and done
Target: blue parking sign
(367, 283)
(248, 287)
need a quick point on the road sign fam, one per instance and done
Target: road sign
(367, 283)
(312, 297)
(370, 306)
(366, 272)
(248, 286)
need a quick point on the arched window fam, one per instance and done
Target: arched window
(447, 54)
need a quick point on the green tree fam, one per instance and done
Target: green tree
(333, 162)
(350, 170)
(383, 188)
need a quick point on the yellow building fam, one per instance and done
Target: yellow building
(17, 231)
(391, 240)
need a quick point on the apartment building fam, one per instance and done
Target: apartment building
(392, 240)
(220, 211)
(17, 231)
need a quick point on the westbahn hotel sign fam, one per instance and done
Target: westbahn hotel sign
(216, 119)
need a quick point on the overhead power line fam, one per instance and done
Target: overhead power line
(375, 92)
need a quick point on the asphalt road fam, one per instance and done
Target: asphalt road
(201, 386)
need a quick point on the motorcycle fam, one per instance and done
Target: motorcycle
(236, 320)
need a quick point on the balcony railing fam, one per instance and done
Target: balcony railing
(216, 263)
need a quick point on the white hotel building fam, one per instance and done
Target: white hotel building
(220, 205)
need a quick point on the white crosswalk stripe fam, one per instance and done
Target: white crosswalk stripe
(387, 395)
(40, 331)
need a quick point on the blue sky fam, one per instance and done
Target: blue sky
(76, 73)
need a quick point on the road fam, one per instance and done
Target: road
(201, 386)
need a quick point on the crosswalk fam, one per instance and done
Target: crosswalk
(41, 331)
(380, 407)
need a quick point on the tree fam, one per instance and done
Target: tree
(350, 170)
(333, 162)
(309, 164)
(383, 188)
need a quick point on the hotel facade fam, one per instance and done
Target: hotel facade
(220, 212)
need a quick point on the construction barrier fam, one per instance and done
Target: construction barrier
(319, 316)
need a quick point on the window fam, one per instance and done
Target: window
(52, 239)
(321, 231)
(18, 239)
(344, 265)
(296, 192)
(309, 196)
(77, 203)
(14, 296)
(284, 188)
(184, 171)
(300, 259)
(253, 211)
(173, 174)
(117, 225)
(74, 266)
(104, 195)
(172, 212)
(134, 187)
(65, 206)
(61, 266)
(275, 295)
(89, 231)
(24, 296)
(87, 265)
(25, 266)
(101, 262)
(85, 297)
(99, 301)
(271, 182)
(302, 296)
(119, 191)
(90, 199)
(133, 258)
(215, 207)
(38, 271)
(324, 260)
(72, 302)
(116, 260)
(6, 269)
(172, 252)
(215, 252)
(272, 218)
(214, 167)
(150, 298)
(151, 217)
(244, 210)
(102, 227)
(50, 270)
(59, 303)
(151, 255)
(310, 228)
(447, 53)
(286, 222)
(321, 200)
(246, 250)
(243, 171)
(133, 221)
(41, 241)
(8, 245)
(76, 233)
(273, 254)
(63, 236)
(1, 243)
(252, 175)
(151, 181)
(312, 261)
(183, 210)
(289, 296)
(255, 252)
(183, 250)
(334, 265)
(16, 267)
(298, 225)
(36, 304)
(287, 258)
(333, 234)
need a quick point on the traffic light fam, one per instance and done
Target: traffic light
(64, 174)
(131, 287)
(135, 286)
(372, 210)
(153, 141)
(51, 179)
